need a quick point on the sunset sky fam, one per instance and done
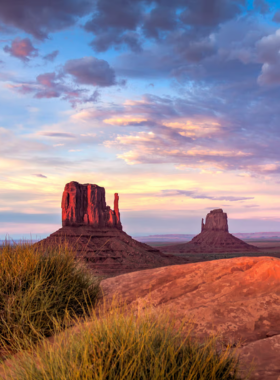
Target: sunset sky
(175, 105)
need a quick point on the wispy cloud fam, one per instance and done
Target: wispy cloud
(197, 195)
(89, 71)
(40, 176)
(58, 134)
(51, 56)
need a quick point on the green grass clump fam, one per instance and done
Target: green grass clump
(118, 345)
(38, 289)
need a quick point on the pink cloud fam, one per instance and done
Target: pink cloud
(88, 71)
(22, 49)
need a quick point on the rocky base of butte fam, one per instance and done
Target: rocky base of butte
(214, 238)
(94, 232)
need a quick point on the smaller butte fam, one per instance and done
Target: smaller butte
(95, 234)
(214, 238)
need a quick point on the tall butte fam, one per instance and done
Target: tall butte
(214, 237)
(94, 232)
(85, 205)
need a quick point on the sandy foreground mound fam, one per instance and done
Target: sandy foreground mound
(238, 298)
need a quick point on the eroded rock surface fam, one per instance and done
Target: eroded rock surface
(263, 355)
(237, 298)
(214, 237)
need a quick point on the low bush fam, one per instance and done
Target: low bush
(39, 289)
(118, 345)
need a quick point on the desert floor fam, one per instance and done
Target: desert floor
(265, 248)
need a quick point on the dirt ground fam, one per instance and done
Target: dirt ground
(265, 247)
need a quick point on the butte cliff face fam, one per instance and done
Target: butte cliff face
(94, 232)
(214, 238)
(85, 205)
(216, 220)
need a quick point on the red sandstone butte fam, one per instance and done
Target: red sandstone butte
(94, 232)
(214, 238)
(216, 220)
(86, 205)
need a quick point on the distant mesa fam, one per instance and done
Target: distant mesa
(216, 220)
(214, 237)
(94, 231)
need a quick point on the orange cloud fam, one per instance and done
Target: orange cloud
(127, 120)
(190, 128)
(222, 153)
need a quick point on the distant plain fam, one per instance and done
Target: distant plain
(267, 247)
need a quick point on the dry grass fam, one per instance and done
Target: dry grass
(41, 293)
(120, 345)
(38, 289)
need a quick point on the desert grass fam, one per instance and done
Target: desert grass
(39, 289)
(47, 293)
(117, 343)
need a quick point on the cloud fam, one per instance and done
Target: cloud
(262, 6)
(268, 53)
(270, 74)
(160, 19)
(199, 131)
(91, 71)
(58, 134)
(94, 97)
(228, 52)
(22, 49)
(39, 18)
(124, 121)
(17, 144)
(210, 13)
(115, 25)
(196, 195)
(51, 56)
(88, 71)
(125, 23)
(40, 176)
(268, 48)
(276, 17)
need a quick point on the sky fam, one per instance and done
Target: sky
(172, 104)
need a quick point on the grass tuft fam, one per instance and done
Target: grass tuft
(119, 345)
(38, 289)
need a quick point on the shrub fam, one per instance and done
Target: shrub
(38, 289)
(118, 345)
